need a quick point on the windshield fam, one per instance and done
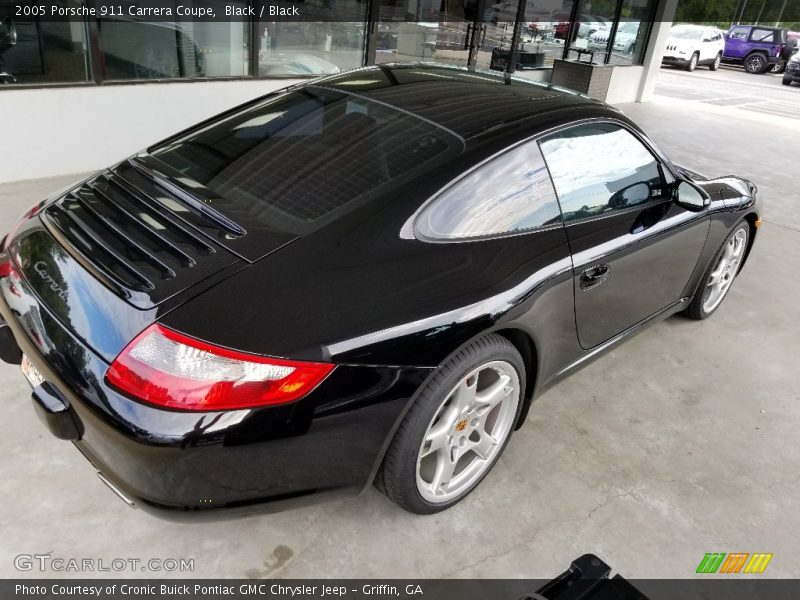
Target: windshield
(685, 33)
(301, 159)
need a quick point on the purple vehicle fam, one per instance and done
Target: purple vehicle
(756, 47)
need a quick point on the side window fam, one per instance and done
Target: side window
(510, 193)
(762, 35)
(738, 33)
(599, 168)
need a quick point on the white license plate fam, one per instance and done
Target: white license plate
(32, 374)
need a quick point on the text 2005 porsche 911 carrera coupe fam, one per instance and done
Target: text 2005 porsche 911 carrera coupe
(365, 278)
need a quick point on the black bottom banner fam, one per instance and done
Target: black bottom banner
(565, 587)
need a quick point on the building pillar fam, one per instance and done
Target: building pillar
(662, 22)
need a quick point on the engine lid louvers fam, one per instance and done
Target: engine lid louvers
(142, 250)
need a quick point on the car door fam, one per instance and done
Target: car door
(633, 248)
(736, 42)
(707, 46)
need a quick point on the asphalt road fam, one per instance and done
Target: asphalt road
(731, 86)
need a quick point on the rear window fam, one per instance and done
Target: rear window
(303, 159)
(510, 194)
(769, 36)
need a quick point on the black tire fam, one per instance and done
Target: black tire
(779, 67)
(696, 310)
(397, 477)
(756, 63)
(692, 64)
(717, 61)
(786, 81)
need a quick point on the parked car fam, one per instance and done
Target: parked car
(591, 24)
(365, 277)
(792, 73)
(587, 25)
(295, 63)
(624, 40)
(757, 47)
(691, 45)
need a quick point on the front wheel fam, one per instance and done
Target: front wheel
(457, 428)
(720, 275)
(693, 62)
(756, 63)
(786, 81)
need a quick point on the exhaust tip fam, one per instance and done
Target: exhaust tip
(125, 498)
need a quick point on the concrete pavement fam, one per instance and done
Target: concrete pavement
(680, 442)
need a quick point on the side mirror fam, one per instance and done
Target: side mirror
(630, 196)
(690, 197)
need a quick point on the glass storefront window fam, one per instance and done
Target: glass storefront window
(133, 49)
(331, 36)
(545, 28)
(417, 31)
(627, 45)
(331, 39)
(631, 37)
(36, 51)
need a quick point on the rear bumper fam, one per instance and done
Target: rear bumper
(184, 465)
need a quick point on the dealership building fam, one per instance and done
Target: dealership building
(81, 92)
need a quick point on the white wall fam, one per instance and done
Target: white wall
(625, 83)
(58, 131)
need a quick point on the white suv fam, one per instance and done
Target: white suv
(692, 45)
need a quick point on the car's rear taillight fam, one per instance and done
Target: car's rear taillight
(28, 214)
(166, 368)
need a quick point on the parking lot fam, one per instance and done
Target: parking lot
(731, 86)
(648, 472)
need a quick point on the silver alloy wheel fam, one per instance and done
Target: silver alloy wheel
(467, 432)
(725, 270)
(756, 63)
(693, 62)
(717, 61)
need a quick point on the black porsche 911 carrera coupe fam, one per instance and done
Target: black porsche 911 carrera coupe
(363, 279)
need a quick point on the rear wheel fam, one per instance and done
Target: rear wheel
(786, 81)
(717, 61)
(778, 67)
(721, 273)
(693, 62)
(756, 63)
(457, 429)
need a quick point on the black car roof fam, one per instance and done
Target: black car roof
(467, 103)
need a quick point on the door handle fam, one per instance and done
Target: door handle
(594, 276)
